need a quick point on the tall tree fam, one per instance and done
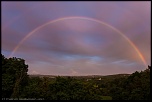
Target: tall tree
(14, 72)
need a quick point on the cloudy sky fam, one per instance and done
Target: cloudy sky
(78, 38)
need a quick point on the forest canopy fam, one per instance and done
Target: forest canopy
(17, 84)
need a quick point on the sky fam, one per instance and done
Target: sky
(77, 38)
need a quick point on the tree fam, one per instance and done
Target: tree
(14, 72)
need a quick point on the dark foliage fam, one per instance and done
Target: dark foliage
(17, 84)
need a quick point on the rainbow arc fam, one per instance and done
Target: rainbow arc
(83, 18)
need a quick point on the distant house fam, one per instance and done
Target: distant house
(88, 79)
(99, 79)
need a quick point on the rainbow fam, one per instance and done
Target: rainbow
(83, 18)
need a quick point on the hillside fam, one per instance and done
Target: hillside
(85, 77)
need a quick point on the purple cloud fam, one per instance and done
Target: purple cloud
(76, 46)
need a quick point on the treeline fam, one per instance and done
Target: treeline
(16, 84)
